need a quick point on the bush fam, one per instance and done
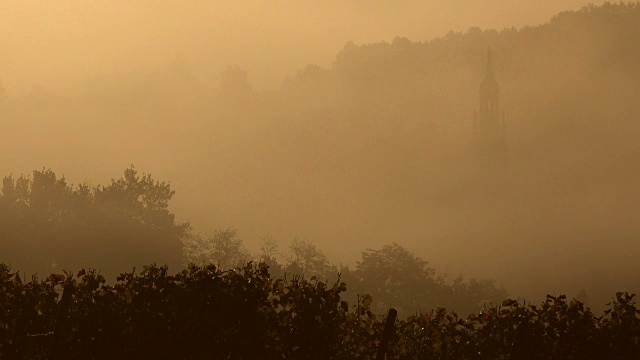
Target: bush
(207, 313)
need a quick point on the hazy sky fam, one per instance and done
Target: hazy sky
(359, 166)
(59, 44)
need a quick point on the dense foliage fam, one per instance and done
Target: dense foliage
(203, 312)
(46, 222)
(393, 275)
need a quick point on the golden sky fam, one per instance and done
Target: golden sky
(59, 44)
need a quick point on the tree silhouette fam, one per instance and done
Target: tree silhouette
(223, 249)
(397, 278)
(233, 82)
(308, 260)
(47, 223)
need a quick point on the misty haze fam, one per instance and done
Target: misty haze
(429, 155)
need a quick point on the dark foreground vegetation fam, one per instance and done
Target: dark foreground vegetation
(207, 313)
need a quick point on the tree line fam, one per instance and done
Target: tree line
(49, 225)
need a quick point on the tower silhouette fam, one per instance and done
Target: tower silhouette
(489, 136)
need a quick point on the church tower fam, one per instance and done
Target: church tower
(489, 137)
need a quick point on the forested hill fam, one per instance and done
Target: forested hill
(568, 89)
(579, 64)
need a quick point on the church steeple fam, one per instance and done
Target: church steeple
(489, 73)
(489, 90)
(488, 124)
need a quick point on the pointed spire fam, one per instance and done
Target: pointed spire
(489, 63)
(488, 76)
(489, 89)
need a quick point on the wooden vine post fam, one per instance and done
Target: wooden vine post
(61, 320)
(389, 330)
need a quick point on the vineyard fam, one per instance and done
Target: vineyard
(208, 313)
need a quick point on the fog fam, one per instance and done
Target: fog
(349, 125)
(59, 46)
